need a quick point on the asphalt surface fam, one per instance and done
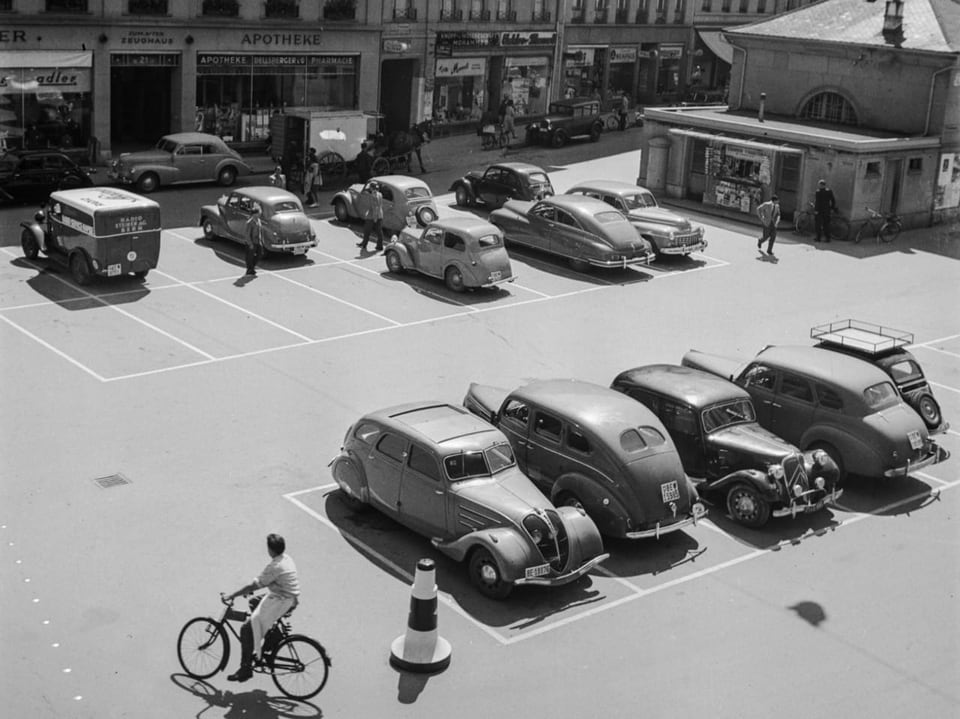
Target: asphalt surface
(209, 406)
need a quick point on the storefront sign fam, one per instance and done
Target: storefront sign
(579, 56)
(471, 40)
(146, 37)
(525, 39)
(671, 52)
(396, 46)
(13, 35)
(214, 59)
(462, 67)
(282, 39)
(152, 59)
(622, 54)
(45, 73)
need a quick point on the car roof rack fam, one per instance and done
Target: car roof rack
(861, 336)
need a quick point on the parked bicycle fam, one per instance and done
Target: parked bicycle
(805, 222)
(298, 664)
(886, 226)
(493, 136)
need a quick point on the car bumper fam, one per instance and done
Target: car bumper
(937, 454)
(494, 283)
(684, 249)
(558, 580)
(117, 177)
(800, 507)
(300, 248)
(698, 513)
(639, 260)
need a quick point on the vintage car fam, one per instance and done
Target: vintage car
(886, 348)
(178, 158)
(465, 252)
(591, 447)
(27, 174)
(285, 227)
(502, 182)
(584, 230)
(833, 402)
(565, 119)
(96, 231)
(666, 231)
(732, 458)
(403, 197)
(450, 476)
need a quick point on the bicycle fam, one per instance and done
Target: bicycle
(298, 664)
(885, 226)
(805, 221)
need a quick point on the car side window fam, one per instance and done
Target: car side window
(191, 150)
(392, 446)
(679, 418)
(828, 398)
(387, 193)
(795, 386)
(759, 375)
(493, 175)
(544, 212)
(454, 242)
(433, 235)
(423, 462)
(547, 426)
(210, 149)
(577, 441)
(517, 411)
(565, 218)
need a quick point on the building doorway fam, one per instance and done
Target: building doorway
(396, 89)
(139, 105)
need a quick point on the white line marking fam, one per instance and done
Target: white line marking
(931, 478)
(944, 386)
(943, 352)
(954, 432)
(53, 349)
(931, 342)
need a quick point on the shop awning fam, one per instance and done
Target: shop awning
(738, 141)
(717, 44)
(46, 58)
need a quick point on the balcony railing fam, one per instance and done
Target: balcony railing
(220, 8)
(542, 16)
(340, 10)
(147, 7)
(67, 6)
(601, 16)
(451, 15)
(405, 13)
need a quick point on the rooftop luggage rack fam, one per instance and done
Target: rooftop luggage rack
(862, 336)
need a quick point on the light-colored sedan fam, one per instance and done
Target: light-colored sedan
(668, 232)
(465, 252)
(402, 197)
(285, 227)
(584, 230)
(181, 157)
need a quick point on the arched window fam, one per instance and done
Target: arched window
(829, 107)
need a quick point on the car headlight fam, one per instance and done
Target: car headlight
(775, 471)
(820, 483)
(820, 457)
(797, 490)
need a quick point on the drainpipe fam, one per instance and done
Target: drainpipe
(933, 82)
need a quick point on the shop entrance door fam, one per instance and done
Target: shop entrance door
(139, 105)
(396, 89)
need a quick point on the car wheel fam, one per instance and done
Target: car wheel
(340, 211)
(834, 455)
(747, 507)
(425, 215)
(29, 244)
(595, 132)
(227, 176)
(462, 196)
(394, 264)
(578, 265)
(380, 166)
(929, 410)
(613, 122)
(80, 269)
(141, 274)
(209, 233)
(454, 279)
(559, 139)
(485, 575)
(147, 183)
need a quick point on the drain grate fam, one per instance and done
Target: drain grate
(113, 480)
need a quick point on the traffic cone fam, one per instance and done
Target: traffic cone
(421, 649)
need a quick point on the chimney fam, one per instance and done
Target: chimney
(893, 19)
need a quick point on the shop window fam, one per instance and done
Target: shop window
(698, 163)
(281, 9)
(220, 8)
(872, 170)
(829, 107)
(340, 10)
(915, 164)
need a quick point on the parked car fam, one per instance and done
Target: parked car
(668, 232)
(502, 182)
(179, 158)
(712, 422)
(285, 227)
(885, 348)
(403, 197)
(591, 447)
(584, 230)
(27, 174)
(833, 402)
(95, 231)
(566, 119)
(465, 252)
(452, 477)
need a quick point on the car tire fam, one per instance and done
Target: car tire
(453, 278)
(462, 196)
(834, 454)
(80, 269)
(227, 176)
(380, 166)
(340, 211)
(141, 274)
(29, 244)
(394, 263)
(578, 265)
(747, 507)
(147, 183)
(425, 215)
(558, 139)
(595, 132)
(929, 410)
(485, 575)
(209, 233)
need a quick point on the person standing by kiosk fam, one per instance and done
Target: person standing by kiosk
(824, 204)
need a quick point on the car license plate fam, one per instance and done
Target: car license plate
(670, 492)
(113, 270)
(299, 250)
(916, 441)
(540, 571)
(494, 276)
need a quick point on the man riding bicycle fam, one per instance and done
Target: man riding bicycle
(280, 578)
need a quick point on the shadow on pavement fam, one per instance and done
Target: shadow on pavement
(252, 704)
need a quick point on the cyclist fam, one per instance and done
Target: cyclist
(824, 203)
(280, 578)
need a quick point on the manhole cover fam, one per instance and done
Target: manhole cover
(113, 480)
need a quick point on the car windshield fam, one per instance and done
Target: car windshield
(723, 415)
(416, 193)
(286, 206)
(639, 200)
(488, 242)
(167, 145)
(605, 218)
(476, 463)
(880, 396)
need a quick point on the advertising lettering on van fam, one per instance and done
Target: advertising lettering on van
(131, 223)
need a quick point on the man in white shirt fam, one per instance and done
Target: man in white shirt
(280, 578)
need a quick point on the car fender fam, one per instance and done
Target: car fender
(760, 481)
(38, 234)
(347, 472)
(857, 455)
(240, 166)
(212, 213)
(512, 550)
(599, 501)
(348, 200)
(584, 537)
(403, 252)
(166, 173)
(465, 183)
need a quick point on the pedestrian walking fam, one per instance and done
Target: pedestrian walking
(278, 179)
(372, 215)
(312, 181)
(509, 117)
(769, 214)
(364, 163)
(254, 250)
(624, 110)
(824, 203)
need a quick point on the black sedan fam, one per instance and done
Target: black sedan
(29, 174)
(502, 182)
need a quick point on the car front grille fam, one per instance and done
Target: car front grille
(686, 239)
(794, 472)
(554, 545)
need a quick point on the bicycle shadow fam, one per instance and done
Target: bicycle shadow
(252, 704)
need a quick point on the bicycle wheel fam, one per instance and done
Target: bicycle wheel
(299, 667)
(203, 648)
(861, 233)
(839, 228)
(889, 231)
(803, 223)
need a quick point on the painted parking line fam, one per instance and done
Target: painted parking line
(43, 343)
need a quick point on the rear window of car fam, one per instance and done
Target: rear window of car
(286, 206)
(488, 241)
(880, 396)
(416, 193)
(605, 218)
(905, 371)
(640, 438)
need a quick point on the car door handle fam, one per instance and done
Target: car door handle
(521, 441)
(771, 403)
(438, 492)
